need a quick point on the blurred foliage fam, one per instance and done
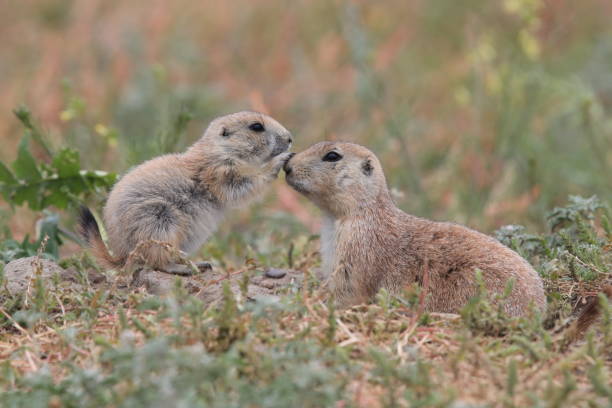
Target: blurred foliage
(482, 112)
(47, 243)
(57, 182)
(576, 244)
(41, 185)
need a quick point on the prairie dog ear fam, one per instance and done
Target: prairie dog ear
(366, 167)
(225, 132)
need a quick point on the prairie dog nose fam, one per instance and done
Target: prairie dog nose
(286, 165)
(286, 139)
(282, 143)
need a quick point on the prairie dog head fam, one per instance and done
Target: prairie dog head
(246, 138)
(340, 178)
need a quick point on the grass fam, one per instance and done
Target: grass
(63, 345)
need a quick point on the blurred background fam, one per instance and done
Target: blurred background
(482, 112)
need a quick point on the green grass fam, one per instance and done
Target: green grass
(94, 346)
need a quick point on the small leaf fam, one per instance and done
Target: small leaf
(25, 165)
(49, 227)
(6, 176)
(24, 116)
(75, 185)
(57, 198)
(30, 194)
(99, 179)
(67, 163)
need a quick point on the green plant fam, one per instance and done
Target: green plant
(58, 181)
(48, 232)
(575, 245)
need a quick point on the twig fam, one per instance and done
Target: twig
(352, 338)
(17, 325)
(586, 265)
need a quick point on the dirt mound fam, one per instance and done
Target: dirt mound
(208, 286)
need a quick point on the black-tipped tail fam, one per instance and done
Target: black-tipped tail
(88, 225)
(90, 232)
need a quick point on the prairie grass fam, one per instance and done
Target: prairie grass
(92, 346)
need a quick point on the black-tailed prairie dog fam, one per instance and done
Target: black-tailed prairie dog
(367, 243)
(181, 198)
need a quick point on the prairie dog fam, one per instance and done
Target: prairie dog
(369, 244)
(181, 198)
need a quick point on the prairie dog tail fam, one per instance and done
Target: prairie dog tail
(586, 318)
(89, 230)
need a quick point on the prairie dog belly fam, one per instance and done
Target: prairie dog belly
(328, 245)
(202, 225)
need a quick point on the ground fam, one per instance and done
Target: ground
(77, 342)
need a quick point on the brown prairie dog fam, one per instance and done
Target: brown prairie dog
(367, 243)
(181, 198)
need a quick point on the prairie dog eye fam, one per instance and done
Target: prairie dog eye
(332, 157)
(257, 127)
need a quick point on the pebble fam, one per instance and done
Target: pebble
(275, 273)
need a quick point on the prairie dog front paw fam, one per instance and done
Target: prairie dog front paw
(277, 163)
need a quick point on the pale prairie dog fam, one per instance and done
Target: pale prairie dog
(181, 198)
(367, 243)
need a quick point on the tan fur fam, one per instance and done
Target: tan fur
(369, 244)
(181, 198)
(89, 230)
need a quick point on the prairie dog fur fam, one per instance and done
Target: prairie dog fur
(369, 244)
(181, 198)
